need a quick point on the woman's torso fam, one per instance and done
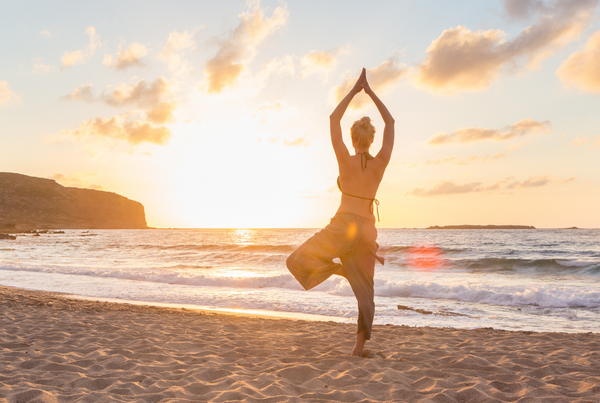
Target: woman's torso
(357, 180)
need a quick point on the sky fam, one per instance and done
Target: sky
(215, 114)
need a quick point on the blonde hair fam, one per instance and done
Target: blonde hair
(362, 132)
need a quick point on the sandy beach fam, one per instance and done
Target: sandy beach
(56, 349)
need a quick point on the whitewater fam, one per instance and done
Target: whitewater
(539, 280)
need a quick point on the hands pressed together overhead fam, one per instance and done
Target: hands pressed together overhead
(362, 84)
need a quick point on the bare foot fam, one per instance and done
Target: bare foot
(360, 343)
(366, 353)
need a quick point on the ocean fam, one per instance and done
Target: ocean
(535, 280)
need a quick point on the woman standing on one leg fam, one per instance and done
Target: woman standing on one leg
(351, 234)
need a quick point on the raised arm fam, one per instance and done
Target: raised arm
(335, 118)
(388, 131)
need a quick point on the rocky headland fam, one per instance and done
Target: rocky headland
(28, 202)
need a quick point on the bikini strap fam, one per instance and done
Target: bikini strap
(373, 201)
(367, 157)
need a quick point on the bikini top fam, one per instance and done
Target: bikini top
(366, 157)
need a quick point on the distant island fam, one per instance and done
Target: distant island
(482, 227)
(27, 202)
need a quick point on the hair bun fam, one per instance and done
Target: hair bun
(365, 121)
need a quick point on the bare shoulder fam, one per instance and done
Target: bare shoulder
(381, 160)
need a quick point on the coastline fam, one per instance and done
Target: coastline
(57, 348)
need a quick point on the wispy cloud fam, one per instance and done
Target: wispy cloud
(446, 188)
(301, 141)
(381, 79)
(83, 92)
(582, 69)
(7, 96)
(317, 61)
(522, 128)
(39, 67)
(177, 44)
(127, 127)
(298, 142)
(82, 56)
(129, 57)
(45, 32)
(265, 111)
(461, 59)
(239, 47)
(475, 158)
(271, 111)
(450, 188)
(523, 9)
(585, 141)
(279, 65)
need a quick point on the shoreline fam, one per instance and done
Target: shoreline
(56, 348)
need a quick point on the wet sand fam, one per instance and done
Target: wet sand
(57, 349)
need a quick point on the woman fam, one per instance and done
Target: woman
(351, 234)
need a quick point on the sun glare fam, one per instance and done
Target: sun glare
(425, 257)
(244, 236)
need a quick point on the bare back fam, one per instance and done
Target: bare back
(356, 181)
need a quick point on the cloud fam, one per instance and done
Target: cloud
(317, 62)
(82, 56)
(454, 160)
(130, 57)
(299, 142)
(446, 188)
(239, 47)
(82, 93)
(523, 9)
(135, 126)
(178, 43)
(523, 128)
(381, 79)
(45, 32)
(155, 98)
(77, 179)
(264, 112)
(8, 97)
(280, 65)
(268, 112)
(475, 158)
(461, 59)
(449, 187)
(126, 127)
(583, 141)
(537, 181)
(39, 67)
(162, 112)
(582, 69)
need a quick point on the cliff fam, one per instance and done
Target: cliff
(30, 202)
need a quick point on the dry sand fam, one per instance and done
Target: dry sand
(55, 349)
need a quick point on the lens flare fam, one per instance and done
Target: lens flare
(352, 229)
(425, 257)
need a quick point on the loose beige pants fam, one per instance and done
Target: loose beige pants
(350, 237)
